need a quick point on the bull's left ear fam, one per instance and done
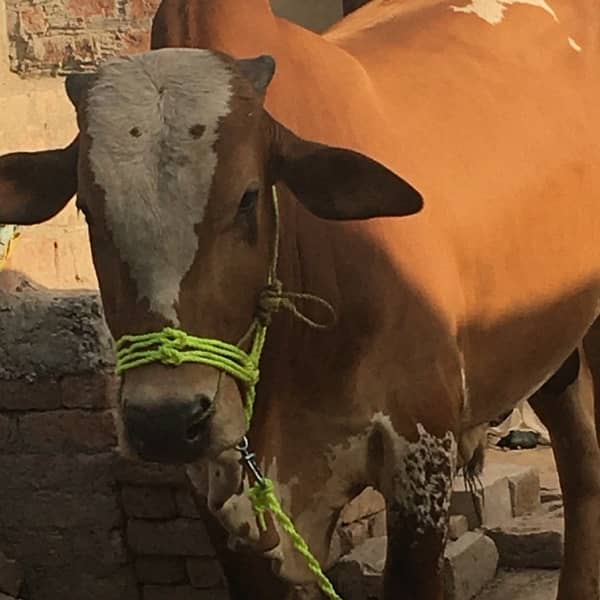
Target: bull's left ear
(339, 184)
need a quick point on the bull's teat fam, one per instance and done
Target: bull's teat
(172, 431)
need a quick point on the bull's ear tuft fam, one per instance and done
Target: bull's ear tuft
(77, 85)
(259, 71)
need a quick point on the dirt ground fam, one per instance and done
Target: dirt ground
(522, 585)
(529, 584)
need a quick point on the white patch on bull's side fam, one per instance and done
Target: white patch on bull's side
(417, 476)
(156, 175)
(493, 11)
(574, 45)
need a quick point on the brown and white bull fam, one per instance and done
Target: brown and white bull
(446, 316)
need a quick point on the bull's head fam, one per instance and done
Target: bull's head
(173, 170)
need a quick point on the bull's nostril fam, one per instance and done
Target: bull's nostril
(194, 431)
(203, 402)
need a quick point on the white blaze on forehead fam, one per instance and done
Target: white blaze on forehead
(493, 11)
(156, 175)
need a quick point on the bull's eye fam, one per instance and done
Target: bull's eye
(248, 201)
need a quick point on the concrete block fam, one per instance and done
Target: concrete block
(457, 526)
(531, 541)
(469, 564)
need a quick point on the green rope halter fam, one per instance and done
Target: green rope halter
(173, 347)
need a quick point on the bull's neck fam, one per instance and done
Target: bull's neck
(236, 27)
(298, 359)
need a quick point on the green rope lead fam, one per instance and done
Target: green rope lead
(173, 347)
(263, 498)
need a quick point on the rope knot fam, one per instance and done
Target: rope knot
(176, 338)
(270, 301)
(261, 496)
(168, 355)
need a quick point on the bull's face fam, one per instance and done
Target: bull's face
(175, 162)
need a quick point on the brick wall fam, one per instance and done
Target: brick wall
(78, 521)
(63, 35)
(59, 35)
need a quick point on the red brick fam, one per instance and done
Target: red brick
(182, 537)
(161, 592)
(97, 390)
(144, 473)
(186, 505)
(67, 431)
(24, 395)
(134, 42)
(143, 9)
(11, 576)
(34, 20)
(205, 573)
(7, 434)
(91, 8)
(148, 502)
(154, 569)
(46, 508)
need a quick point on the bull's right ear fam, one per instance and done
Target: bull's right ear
(35, 186)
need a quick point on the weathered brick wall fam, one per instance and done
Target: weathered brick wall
(63, 35)
(79, 520)
(58, 35)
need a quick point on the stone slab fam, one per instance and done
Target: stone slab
(523, 483)
(491, 508)
(457, 526)
(532, 541)
(48, 335)
(469, 564)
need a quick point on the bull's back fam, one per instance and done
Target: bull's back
(496, 125)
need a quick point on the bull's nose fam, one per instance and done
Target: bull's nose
(170, 432)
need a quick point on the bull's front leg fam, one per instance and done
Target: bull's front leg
(416, 480)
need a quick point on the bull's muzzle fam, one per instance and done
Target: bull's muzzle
(171, 431)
